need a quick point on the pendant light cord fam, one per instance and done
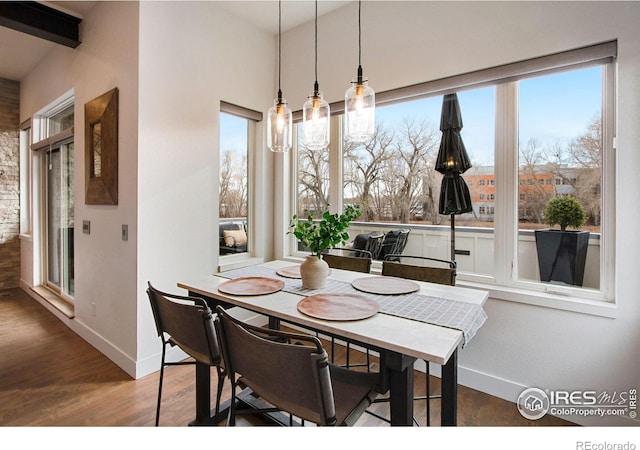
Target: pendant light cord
(359, 33)
(315, 85)
(279, 49)
(359, 78)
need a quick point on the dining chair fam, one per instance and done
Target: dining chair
(186, 322)
(291, 372)
(348, 259)
(355, 260)
(432, 270)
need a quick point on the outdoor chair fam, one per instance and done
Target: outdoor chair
(394, 243)
(292, 374)
(186, 322)
(232, 237)
(431, 270)
(371, 242)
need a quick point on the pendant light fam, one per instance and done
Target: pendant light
(315, 112)
(359, 102)
(279, 117)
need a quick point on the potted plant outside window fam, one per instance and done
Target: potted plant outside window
(562, 253)
(317, 236)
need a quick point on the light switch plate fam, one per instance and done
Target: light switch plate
(125, 232)
(86, 227)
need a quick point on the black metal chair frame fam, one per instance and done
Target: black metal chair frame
(168, 341)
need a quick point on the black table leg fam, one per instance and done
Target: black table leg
(399, 369)
(203, 394)
(450, 391)
(274, 323)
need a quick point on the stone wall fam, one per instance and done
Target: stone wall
(9, 183)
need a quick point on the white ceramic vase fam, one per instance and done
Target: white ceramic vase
(314, 272)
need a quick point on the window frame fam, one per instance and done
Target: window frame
(506, 285)
(253, 119)
(40, 150)
(26, 180)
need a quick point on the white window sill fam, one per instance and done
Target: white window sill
(576, 304)
(55, 300)
(231, 262)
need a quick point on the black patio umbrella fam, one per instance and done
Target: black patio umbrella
(452, 161)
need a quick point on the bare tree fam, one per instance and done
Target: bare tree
(233, 185)
(534, 169)
(415, 152)
(575, 169)
(363, 168)
(586, 153)
(226, 173)
(313, 181)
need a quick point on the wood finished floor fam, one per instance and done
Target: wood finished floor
(49, 376)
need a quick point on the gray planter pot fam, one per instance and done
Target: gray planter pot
(562, 255)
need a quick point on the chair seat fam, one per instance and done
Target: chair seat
(351, 388)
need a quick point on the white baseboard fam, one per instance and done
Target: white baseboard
(105, 347)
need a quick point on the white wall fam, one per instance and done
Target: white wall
(192, 55)
(411, 42)
(105, 266)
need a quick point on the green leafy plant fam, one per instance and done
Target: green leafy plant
(565, 211)
(329, 232)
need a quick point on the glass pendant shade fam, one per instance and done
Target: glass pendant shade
(279, 126)
(315, 122)
(359, 111)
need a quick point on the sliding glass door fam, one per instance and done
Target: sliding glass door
(60, 218)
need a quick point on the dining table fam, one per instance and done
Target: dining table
(429, 321)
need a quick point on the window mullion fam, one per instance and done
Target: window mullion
(506, 169)
(608, 164)
(335, 166)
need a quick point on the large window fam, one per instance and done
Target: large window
(560, 154)
(237, 131)
(533, 130)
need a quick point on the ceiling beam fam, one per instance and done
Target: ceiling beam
(41, 21)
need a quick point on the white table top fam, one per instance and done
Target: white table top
(409, 337)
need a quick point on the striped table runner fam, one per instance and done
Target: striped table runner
(463, 316)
